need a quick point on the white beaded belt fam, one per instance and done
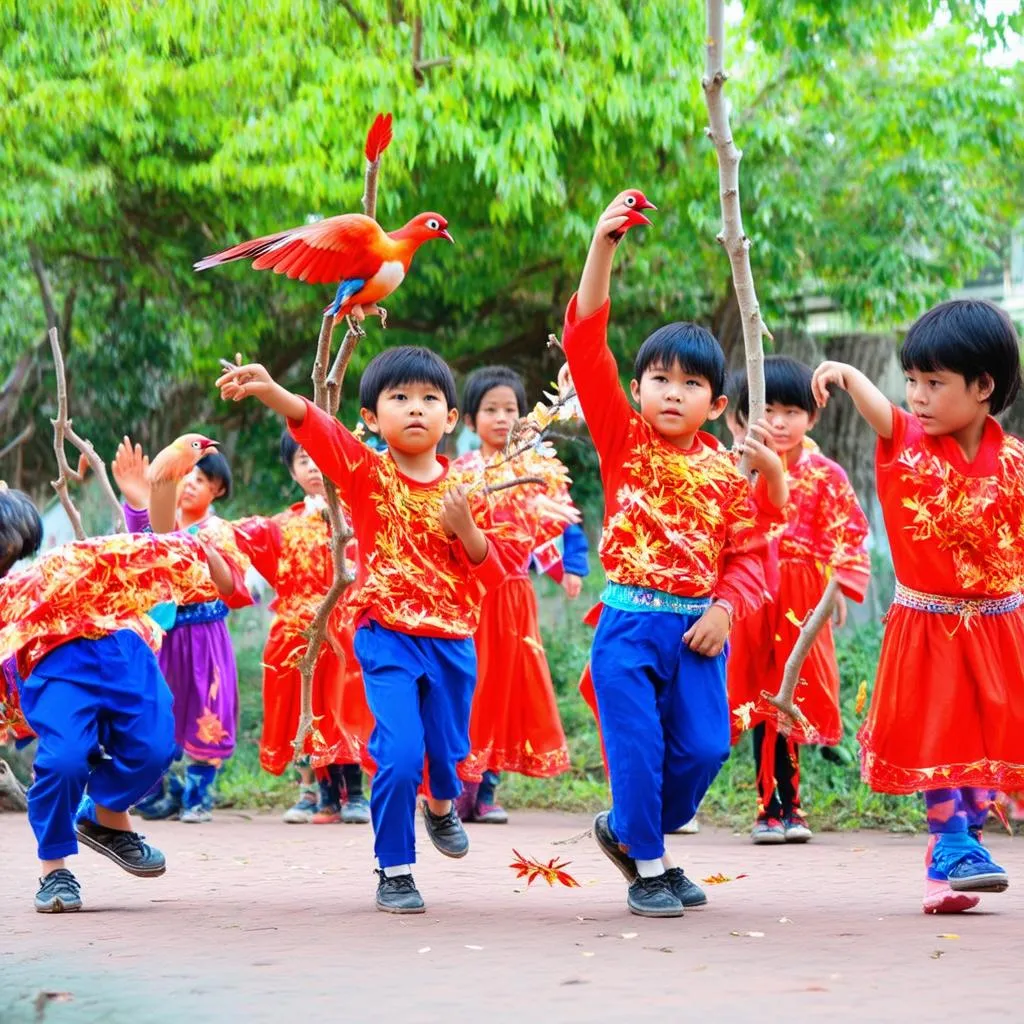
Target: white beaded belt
(966, 607)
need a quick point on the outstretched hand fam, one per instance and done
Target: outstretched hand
(826, 374)
(254, 381)
(129, 469)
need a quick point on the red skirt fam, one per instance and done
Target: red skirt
(759, 645)
(514, 725)
(342, 718)
(948, 704)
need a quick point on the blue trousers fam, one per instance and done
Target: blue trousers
(420, 690)
(102, 712)
(664, 719)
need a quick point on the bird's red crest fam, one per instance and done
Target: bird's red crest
(379, 137)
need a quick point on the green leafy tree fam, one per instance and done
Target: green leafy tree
(882, 159)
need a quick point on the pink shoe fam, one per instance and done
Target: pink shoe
(939, 898)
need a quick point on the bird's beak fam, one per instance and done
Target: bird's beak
(208, 443)
(444, 234)
(636, 217)
(648, 205)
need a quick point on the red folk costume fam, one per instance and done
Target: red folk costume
(823, 532)
(292, 551)
(515, 725)
(88, 589)
(947, 708)
(675, 521)
(411, 577)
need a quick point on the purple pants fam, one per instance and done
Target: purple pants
(198, 663)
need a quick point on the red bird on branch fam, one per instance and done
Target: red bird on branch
(352, 249)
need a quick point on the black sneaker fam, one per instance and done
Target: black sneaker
(398, 895)
(58, 892)
(609, 844)
(126, 849)
(689, 893)
(653, 897)
(446, 832)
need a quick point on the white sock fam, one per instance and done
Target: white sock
(650, 868)
(397, 869)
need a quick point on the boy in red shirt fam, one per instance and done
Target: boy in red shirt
(681, 560)
(423, 566)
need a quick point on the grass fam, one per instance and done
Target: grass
(833, 794)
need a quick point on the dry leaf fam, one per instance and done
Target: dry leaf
(862, 697)
(949, 935)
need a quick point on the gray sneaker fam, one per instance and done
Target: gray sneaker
(59, 892)
(609, 844)
(195, 815)
(126, 849)
(355, 812)
(653, 897)
(446, 832)
(398, 895)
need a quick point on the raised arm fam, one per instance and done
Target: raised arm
(873, 406)
(254, 381)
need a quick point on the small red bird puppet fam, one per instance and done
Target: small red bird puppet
(636, 201)
(178, 459)
(353, 249)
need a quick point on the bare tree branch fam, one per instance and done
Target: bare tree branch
(45, 288)
(364, 26)
(16, 442)
(62, 431)
(732, 236)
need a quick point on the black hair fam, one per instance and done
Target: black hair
(971, 337)
(479, 382)
(787, 381)
(407, 364)
(21, 528)
(216, 467)
(692, 347)
(289, 449)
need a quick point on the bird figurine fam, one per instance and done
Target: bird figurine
(636, 201)
(179, 458)
(353, 249)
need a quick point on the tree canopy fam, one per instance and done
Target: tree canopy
(883, 155)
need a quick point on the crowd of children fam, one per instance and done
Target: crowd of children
(434, 678)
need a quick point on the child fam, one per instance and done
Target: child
(824, 532)
(681, 561)
(197, 657)
(515, 725)
(423, 566)
(87, 683)
(292, 551)
(946, 711)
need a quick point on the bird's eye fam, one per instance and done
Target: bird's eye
(433, 224)
(631, 200)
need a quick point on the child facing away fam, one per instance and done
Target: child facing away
(76, 647)
(197, 657)
(292, 552)
(946, 714)
(424, 563)
(682, 560)
(515, 725)
(824, 532)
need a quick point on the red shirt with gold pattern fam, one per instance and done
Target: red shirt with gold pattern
(675, 521)
(824, 524)
(90, 588)
(534, 524)
(411, 576)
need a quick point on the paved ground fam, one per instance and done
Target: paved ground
(256, 921)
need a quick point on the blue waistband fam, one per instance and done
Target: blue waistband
(205, 611)
(647, 599)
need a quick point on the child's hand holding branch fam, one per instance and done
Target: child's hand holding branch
(765, 460)
(457, 521)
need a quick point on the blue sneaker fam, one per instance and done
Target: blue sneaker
(968, 866)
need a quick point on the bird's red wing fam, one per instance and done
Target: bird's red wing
(349, 246)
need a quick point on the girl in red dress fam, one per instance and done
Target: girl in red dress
(823, 532)
(947, 710)
(515, 725)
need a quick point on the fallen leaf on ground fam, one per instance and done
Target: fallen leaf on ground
(949, 935)
(553, 871)
(720, 879)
